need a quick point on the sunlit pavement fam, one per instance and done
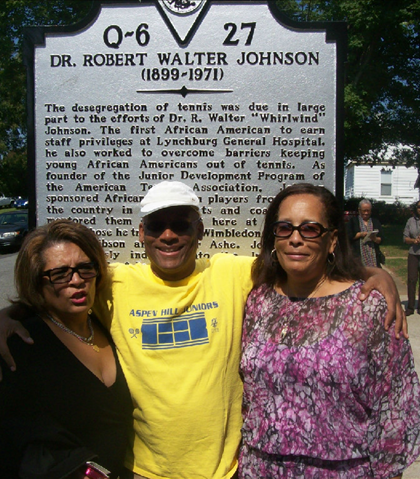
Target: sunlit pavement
(413, 472)
(7, 288)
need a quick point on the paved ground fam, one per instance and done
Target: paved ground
(413, 472)
(7, 290)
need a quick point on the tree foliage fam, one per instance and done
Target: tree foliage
(382, 92)
(14, 16)
(13, 168)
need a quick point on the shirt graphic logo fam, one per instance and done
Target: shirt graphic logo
(179, 332)
(134, 332)
(214, 325)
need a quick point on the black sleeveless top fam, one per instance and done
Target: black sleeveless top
(55, 413)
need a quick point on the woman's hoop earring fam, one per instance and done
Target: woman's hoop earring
(331, 259)
(274, 258)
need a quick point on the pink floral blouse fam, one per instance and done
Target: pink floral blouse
(328, 393)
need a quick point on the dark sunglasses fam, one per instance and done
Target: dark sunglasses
(179, 226)
(307, 229)
(65, 274)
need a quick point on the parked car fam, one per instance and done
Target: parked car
(5, 201)
(21, 203)
(13, 228)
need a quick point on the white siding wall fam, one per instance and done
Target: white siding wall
(365, 181)
(349, 182)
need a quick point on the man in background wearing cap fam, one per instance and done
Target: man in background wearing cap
(177, 326)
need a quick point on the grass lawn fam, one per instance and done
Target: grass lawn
(395, 251)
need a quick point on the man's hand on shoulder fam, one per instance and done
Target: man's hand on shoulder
(8, 327)
(380, 280)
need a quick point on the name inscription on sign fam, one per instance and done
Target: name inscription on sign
(228, 98)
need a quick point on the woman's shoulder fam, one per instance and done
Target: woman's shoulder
(373, 306)
(261, 290)
(260, 295)
(36, 328)
(353, 288)
(25, 355)
(353, 221)
(335, 287)
(35, 324)
(347, 293)
(411, 221)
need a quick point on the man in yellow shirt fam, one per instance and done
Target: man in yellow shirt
(177, 325)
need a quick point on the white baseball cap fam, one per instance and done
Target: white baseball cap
(167, 194)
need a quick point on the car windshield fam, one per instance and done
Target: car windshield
(13, 219)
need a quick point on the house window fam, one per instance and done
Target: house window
(386, 183)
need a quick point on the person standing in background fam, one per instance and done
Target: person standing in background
(365, 235)
(412, 237)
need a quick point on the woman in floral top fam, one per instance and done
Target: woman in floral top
(328, 393)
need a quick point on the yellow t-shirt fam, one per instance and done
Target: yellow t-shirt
(179, 345)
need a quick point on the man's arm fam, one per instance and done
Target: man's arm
(9, 325)
(377, 278)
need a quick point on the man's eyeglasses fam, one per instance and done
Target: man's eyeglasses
(178, 226)
(307, 229)
(65, 274)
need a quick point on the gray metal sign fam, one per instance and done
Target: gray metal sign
(229, 97)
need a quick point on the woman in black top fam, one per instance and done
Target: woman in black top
(69, 402)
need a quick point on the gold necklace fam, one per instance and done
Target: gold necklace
(89, 340)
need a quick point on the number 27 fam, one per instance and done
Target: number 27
(232, 27)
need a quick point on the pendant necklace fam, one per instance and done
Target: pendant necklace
(285, 329)
(89, 340)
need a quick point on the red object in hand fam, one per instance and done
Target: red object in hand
(95, 471)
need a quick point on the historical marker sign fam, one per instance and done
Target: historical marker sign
(229, 97)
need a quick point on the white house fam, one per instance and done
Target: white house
(382, 182)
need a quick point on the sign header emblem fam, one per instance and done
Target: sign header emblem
(182, 7)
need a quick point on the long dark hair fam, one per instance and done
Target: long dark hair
(346, 266)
